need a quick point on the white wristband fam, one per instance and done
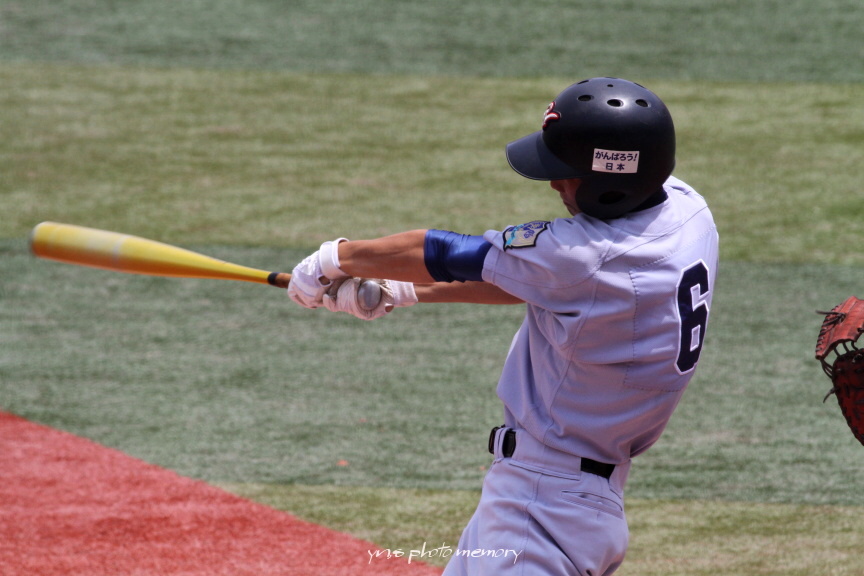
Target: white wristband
(329, 259)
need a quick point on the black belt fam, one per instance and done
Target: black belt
(508, 446)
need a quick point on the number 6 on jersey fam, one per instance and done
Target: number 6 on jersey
(693, 290)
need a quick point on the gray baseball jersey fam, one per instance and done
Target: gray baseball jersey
(616, 318)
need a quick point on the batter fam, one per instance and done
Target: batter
(617, 298)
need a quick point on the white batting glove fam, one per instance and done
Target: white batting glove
(315, 274)
(345, 298)
(308, 284)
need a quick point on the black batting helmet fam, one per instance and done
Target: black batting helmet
(613, 134)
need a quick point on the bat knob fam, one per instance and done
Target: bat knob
(369, 294)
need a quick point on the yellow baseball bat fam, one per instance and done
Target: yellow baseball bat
(135, 255)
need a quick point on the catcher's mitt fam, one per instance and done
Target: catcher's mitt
(843, 361)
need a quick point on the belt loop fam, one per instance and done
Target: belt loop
(507, 442)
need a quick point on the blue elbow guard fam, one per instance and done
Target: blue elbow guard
(453, 257)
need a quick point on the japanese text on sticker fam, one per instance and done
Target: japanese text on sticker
(615, 161)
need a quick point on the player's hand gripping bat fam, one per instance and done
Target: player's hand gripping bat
(134, 255)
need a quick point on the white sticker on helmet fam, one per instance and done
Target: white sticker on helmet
(615, 162)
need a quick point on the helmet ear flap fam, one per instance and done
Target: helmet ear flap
(601, 198)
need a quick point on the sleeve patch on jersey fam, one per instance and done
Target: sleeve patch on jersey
(524, 235)
(615, 161)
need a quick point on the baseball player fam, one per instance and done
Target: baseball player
(617, 297)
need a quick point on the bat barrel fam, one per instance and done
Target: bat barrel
(131, 254)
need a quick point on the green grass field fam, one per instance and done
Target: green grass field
(254, 131)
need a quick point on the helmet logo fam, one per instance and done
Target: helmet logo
(615, 162)
(551, 115)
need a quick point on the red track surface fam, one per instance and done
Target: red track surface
(69, 506)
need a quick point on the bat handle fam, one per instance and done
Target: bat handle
(368, 294)
(279, 279)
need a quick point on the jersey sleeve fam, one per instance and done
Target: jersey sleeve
(543, 262)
